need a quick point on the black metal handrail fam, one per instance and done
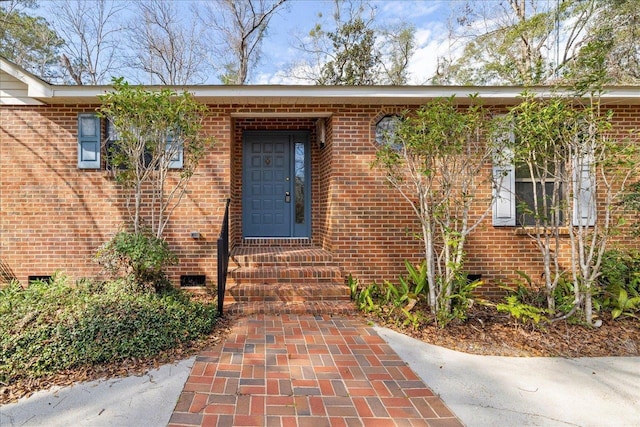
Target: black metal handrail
(223, 258)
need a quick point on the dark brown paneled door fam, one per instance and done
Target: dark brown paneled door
(275, 184)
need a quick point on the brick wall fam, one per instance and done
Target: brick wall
(53, 215)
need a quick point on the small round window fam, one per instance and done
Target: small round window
(386, 130)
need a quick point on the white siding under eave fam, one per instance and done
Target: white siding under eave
(14, 92)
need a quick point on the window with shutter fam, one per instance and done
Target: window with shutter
(584, 192)
(175, 148)
(515, 188)
(504, 204)
(88, 141)
(514, 194)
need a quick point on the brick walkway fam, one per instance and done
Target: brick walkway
(305, 370)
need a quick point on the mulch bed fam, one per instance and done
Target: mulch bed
(490, 333)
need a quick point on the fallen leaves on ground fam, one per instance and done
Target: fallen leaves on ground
(489, 333)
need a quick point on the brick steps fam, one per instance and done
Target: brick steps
(284, 274)
(293, 280)
(279, 307)
(287, 292)
(261, 257)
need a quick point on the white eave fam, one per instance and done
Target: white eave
(18, 86)
(266, 95)
(359, 95)
(303, 94)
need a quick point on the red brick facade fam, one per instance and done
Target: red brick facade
(53, 215)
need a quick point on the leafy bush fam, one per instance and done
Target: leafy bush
(621, 270)
(139, 257)
(624, 306)
(461, 300)
(368, 299)
(49, 327)
(524, 313)
(620, 282)
(406, 293)
(527, 301)
(404, 302)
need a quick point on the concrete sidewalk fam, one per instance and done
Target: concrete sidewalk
(480, 390)
(147, 400)
(527, 391)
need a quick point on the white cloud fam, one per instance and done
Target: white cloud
(428, 17)
(284, 76)
(432, 42)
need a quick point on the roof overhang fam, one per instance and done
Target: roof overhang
(324, 95)
(37, 88)
(360, 95)
(46, 93)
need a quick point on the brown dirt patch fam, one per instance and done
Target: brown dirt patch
(490, 333)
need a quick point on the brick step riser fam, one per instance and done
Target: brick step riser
(284, 299)
(295, 285)
(232, 283)
(314, 308)
(285, 275)
(319, 275)
(256, 293)
(244, 263)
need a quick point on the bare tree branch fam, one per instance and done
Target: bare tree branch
(239, 27)
(166, 48)
(92, 34)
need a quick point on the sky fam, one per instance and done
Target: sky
(428, 16)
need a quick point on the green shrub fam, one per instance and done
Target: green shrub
(369, 299)
(564, 297)
(403, 302)
(460, 301)
(621, 270)
(390, 301)
(620, 282)
(372, 298)
(140, 257)
(527, 303)
(49, 327)
(624, 306)
(524, 313)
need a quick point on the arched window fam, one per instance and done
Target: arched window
(386, 129)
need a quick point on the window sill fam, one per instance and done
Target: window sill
(531, 231)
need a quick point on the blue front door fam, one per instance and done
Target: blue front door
(275, 184)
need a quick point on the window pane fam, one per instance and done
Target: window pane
(88, 126)
(386, 129)
(112, 133)
(523, 172)
(525, 207)
(299, 182)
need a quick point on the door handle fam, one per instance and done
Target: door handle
(287, 197)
